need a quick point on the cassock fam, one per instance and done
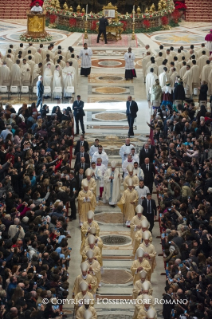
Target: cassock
(195, 74)
(137, 288)
(112, 186)
(205, 72)
(92, 284)
(150, 249)
(208, 38)
(187, 80)
(94, 269)
(80, 314)
(16, 75)
(202, 61)
(91, 185)
(5, 75)
(137, 264)
(129, 58)
(128, 197)
(142, 192)
(102, 155)
(47, 77)
(25, 74)
(85, 56)
(96, 254)
(163, 78)
(125, 150)
(86, 202)
(57, 82)
(135, 181)
(150, 81)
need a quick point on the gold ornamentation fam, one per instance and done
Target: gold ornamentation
(65, 6)
(53, 3)
(152, 8)
(35, 24)
(71, 9)
(83, 10)
(78, 8)
(57, 4)
(138, 10)
(147, 11)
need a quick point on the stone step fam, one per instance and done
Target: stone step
(120, 252)
(113, 264)
(113, 290)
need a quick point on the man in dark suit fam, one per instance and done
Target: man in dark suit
(40, 91)
(167, 306)
(149, 173)
(80, 155)
(78, 114)
(82, 164)
(81, 142)
(73, 195)
(131, 112)
(146, 152)
(150, 210)
(103, 23)
(79, 177)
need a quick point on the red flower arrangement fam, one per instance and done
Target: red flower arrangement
(72, 22)
(124, 24)
(93, 25)
(146, 24)
(175, 16)
(180, 6)
(164, 20)
(52, 18)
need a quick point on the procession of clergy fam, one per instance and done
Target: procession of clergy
(193, 67)
(103, 182)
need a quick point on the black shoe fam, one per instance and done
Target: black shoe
(112, 206)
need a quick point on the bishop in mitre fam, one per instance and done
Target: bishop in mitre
(86, 311)
(138, 288)
(149, 251)
(90, 180)
(88, 224)
(78, 300)
(129, 201)
(130, 175)
(94, 268)
(96, 251)
(84, 276)
(144, 308)
(112, 184)
(140, 264)
(135, 223)
(139, 234)
(98, 240)
(86, 202)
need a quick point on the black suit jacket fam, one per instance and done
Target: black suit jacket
(153, 209)
(148, 174)
(72, 185)
(78, 184)
(78, 166)
(78, 157)
(78, 108)
(77, 147)
(133, 109)
(103, 24)
(143, 154)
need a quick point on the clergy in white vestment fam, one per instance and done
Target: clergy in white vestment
(16, 74)
(159, 59)
(85, 56)
(28, 55)
(57, 81)
(42, 51)
(31, 64)
(128, 161)
(47, 76)
(100, 154)
(94, 148)
(52, 66)
(164, 77)
(9, 61)
(74, 64)
(161, 67)
(155, 95)
(129, 58)
(152, 65)
(150, 81)
(125, 149)
(38, 70)
(187, 80)
(169, 56)
(135, 156)
(206, 71)
(5, 75)
(183, 69)
(112, 184)
(137, 171)
(201, 61)
(20, 48)
(37, 8)
(68, 74)
(203, 48)
(195, 73)
(145, 61)
(142, 191)
(173, 76)
(25, 73)
(38, 57)
(98, 170)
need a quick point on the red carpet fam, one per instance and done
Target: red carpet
(125, 42)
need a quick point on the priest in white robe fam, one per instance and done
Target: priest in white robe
(47, 76)
(183, 69)
(100, 154)
(38, 70)
(195, 73)
(85, 56)
(9, 61)
(210, 83)
(173, 76)
(187, 80)
(94, 148)
(142, 191)
(68, 74)
(16, 74)
(128, 161)
(129, 58)
(75, 65)
(98, 175)
(206, 71)
(5, 75)
(57, 82)
(112, 184)
(202, 61)
(145, 61)
(25, 73)
(164, 77)
(125, 150)
(150, 81)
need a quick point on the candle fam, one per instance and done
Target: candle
(134, 13)
(86, 12)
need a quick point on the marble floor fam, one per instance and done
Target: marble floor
(104, 93)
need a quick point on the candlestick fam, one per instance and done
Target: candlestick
(133, 13)
(86, 27)
(133, 31)
(86, 12)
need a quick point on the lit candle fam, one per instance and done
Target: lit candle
(134, 13)
(86, 12)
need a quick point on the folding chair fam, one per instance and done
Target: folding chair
(14, 90)
(4, 89)
(24, 90)
(58, 93)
